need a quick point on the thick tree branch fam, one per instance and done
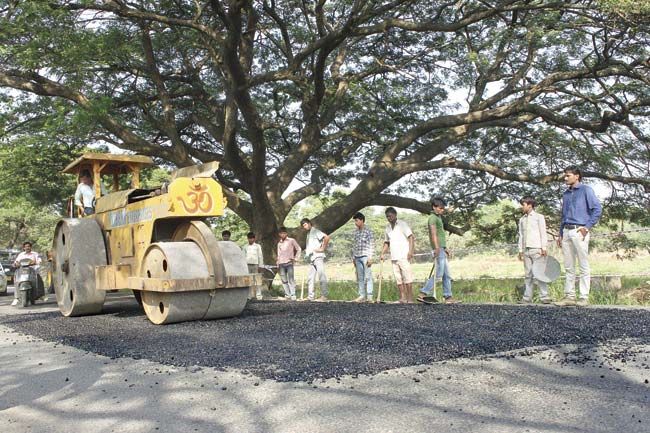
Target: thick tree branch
(423, 207)
(300, 194)
(39, 85)
(121, 9)
(169, 121)
(515, 177)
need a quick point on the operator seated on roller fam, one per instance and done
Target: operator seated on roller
(84, 197)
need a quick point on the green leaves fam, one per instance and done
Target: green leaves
(21, 221)
(369, 97)
(627, 7)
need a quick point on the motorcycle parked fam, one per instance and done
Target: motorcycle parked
(26, 282)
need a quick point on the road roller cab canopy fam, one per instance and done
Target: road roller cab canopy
(100, 164)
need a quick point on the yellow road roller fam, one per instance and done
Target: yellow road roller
(153, 241)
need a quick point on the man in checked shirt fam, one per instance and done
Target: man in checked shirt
(362, 251)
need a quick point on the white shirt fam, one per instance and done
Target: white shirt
(84, 196)
(254, 254)
(397, 237)
(31, 256)
(532, 231)
(314, 241)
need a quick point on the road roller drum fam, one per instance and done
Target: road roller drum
(78, 249)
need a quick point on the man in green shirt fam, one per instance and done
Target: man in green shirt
(438, 239)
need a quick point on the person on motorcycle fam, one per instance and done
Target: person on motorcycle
(34, 258)
(84, 196)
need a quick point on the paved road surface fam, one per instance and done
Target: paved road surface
(56, 378)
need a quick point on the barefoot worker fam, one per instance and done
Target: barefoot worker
(400, 240)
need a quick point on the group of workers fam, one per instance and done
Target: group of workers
(398, 239)
(288, 253)
(581, 210)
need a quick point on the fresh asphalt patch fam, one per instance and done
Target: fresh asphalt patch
(302, 341)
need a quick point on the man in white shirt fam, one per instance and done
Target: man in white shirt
(532, 248)
(316, 244)
(254, 260)
(27, 253)
(84, 196)
(399, 238)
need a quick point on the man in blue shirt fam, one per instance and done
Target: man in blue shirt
(580, 212)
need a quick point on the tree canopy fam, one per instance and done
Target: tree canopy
(392, 100)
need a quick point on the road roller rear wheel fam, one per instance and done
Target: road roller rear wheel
(78, 248)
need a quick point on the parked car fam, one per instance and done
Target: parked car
(7, 258)
(3, 280)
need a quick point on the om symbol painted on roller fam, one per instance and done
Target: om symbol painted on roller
(198, 200)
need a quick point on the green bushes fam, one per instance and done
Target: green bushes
(632, 290)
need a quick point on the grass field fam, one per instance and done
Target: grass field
(498, 278)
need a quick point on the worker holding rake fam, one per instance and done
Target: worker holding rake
(438, 239)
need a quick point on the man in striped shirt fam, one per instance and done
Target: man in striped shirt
(362, 252)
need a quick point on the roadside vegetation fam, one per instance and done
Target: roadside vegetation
(497, 278)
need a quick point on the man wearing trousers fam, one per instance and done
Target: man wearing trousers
(288, 253)
(532, 244)
(255, 262)
(362, 252)
(316, 245)
(438, 238)
(580, 212)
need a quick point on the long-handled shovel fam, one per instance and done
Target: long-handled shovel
(356, 272)
(431, 299)
(381, 274)
(435, 278)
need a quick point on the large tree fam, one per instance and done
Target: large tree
(392, 99)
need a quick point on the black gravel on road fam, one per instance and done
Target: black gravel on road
(300, 341)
